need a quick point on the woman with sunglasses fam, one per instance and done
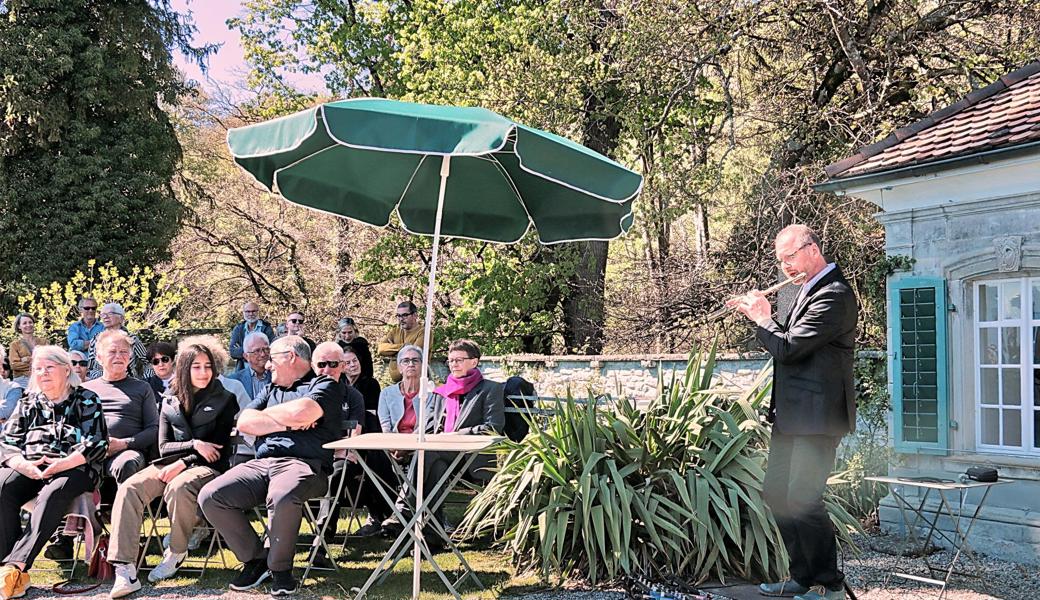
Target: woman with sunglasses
(80, 364)
(10, 392)
(160, 355)
(195, 425)
(22, 346)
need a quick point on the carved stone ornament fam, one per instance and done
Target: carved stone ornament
(1009, 253)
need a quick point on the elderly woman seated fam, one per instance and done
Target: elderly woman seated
(53, 447)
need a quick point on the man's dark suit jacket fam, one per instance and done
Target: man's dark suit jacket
(812, 351)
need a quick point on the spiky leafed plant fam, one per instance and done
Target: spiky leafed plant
(672, 489)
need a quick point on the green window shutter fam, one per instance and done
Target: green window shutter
(917, 312)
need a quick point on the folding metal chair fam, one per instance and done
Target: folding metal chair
(83, 524)
(190, 565)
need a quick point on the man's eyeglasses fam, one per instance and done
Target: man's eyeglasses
(409, 361)
(80, 363)
(405, 315)
(273, 354)
(250, 312)
(787, 258)
(161, 360)
(332, 364)
(260, 351)
(88, 308)
(297, 321)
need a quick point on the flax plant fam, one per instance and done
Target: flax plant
(668, 490)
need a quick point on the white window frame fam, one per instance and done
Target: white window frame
(1027, 363)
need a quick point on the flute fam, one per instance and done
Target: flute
(725, 310)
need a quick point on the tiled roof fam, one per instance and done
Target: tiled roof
(1001, 115)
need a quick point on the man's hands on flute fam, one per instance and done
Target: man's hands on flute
(754, 306)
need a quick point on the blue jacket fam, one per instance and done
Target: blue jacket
(247, 378)
(238, 335)
(391, 408)
(79, 335)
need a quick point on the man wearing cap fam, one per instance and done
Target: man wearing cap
(112, 317)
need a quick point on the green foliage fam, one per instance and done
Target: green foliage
(151, 301)
(671, 489)
(87, 153)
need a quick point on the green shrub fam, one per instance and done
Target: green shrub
(669, 490)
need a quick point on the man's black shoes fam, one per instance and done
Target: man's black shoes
(283, 584)
(253, 574)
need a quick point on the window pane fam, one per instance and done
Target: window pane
(1036, 300)
(1010, 347)
(990, 393)
(988, 351)
(1012, 385)
(987, 302)
(1036, 428)
(1012, 428)
(1011, 300)
(1036, 393)
(1036, 345)
(990, 426)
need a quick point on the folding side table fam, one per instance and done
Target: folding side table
(466, 448)
(962, 523)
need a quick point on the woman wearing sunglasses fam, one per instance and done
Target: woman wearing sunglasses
(80, 364)
(160, 356)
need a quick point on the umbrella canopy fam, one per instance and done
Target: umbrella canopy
(364, 158)
(446, 170)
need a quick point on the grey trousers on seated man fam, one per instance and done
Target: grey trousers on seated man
(284, 484)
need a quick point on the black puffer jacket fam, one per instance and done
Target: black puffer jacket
(211, 420)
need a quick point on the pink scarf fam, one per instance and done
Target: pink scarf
(453, 390)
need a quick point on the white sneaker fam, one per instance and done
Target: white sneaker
(126, 581)
(167, 566)
(198, 535)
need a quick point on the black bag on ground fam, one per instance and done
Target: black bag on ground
(516, 426)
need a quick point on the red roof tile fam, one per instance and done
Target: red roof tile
(1003, 114)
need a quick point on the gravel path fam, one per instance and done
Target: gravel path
(868, 574)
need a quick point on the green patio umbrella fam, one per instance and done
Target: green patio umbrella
(447, 171)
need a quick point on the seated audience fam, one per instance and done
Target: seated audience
(83, 331)
(251, 323)
(22, 346)
(328, 361)
(465, 404)
(292, 419)
(161, 356)
(349, 336)
(10, 393)
(52, 450)
(407, 331)
(112, 317)
(195, 425)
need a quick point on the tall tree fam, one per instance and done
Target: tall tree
(87, 153)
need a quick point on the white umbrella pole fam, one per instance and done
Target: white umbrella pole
(425, 385)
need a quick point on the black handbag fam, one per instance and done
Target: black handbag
(982, 474)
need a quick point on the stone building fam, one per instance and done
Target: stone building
(959, 193)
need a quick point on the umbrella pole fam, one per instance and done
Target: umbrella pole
(425, 385)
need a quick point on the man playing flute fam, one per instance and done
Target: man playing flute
(813, 406)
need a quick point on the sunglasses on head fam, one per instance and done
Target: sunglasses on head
(332, 364)
(80, 363)
(296, 321)
(161, 360)
(347, 321)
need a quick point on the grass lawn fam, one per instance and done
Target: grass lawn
(493, 567)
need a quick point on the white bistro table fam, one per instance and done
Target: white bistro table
(961, 522)
(465, 448)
